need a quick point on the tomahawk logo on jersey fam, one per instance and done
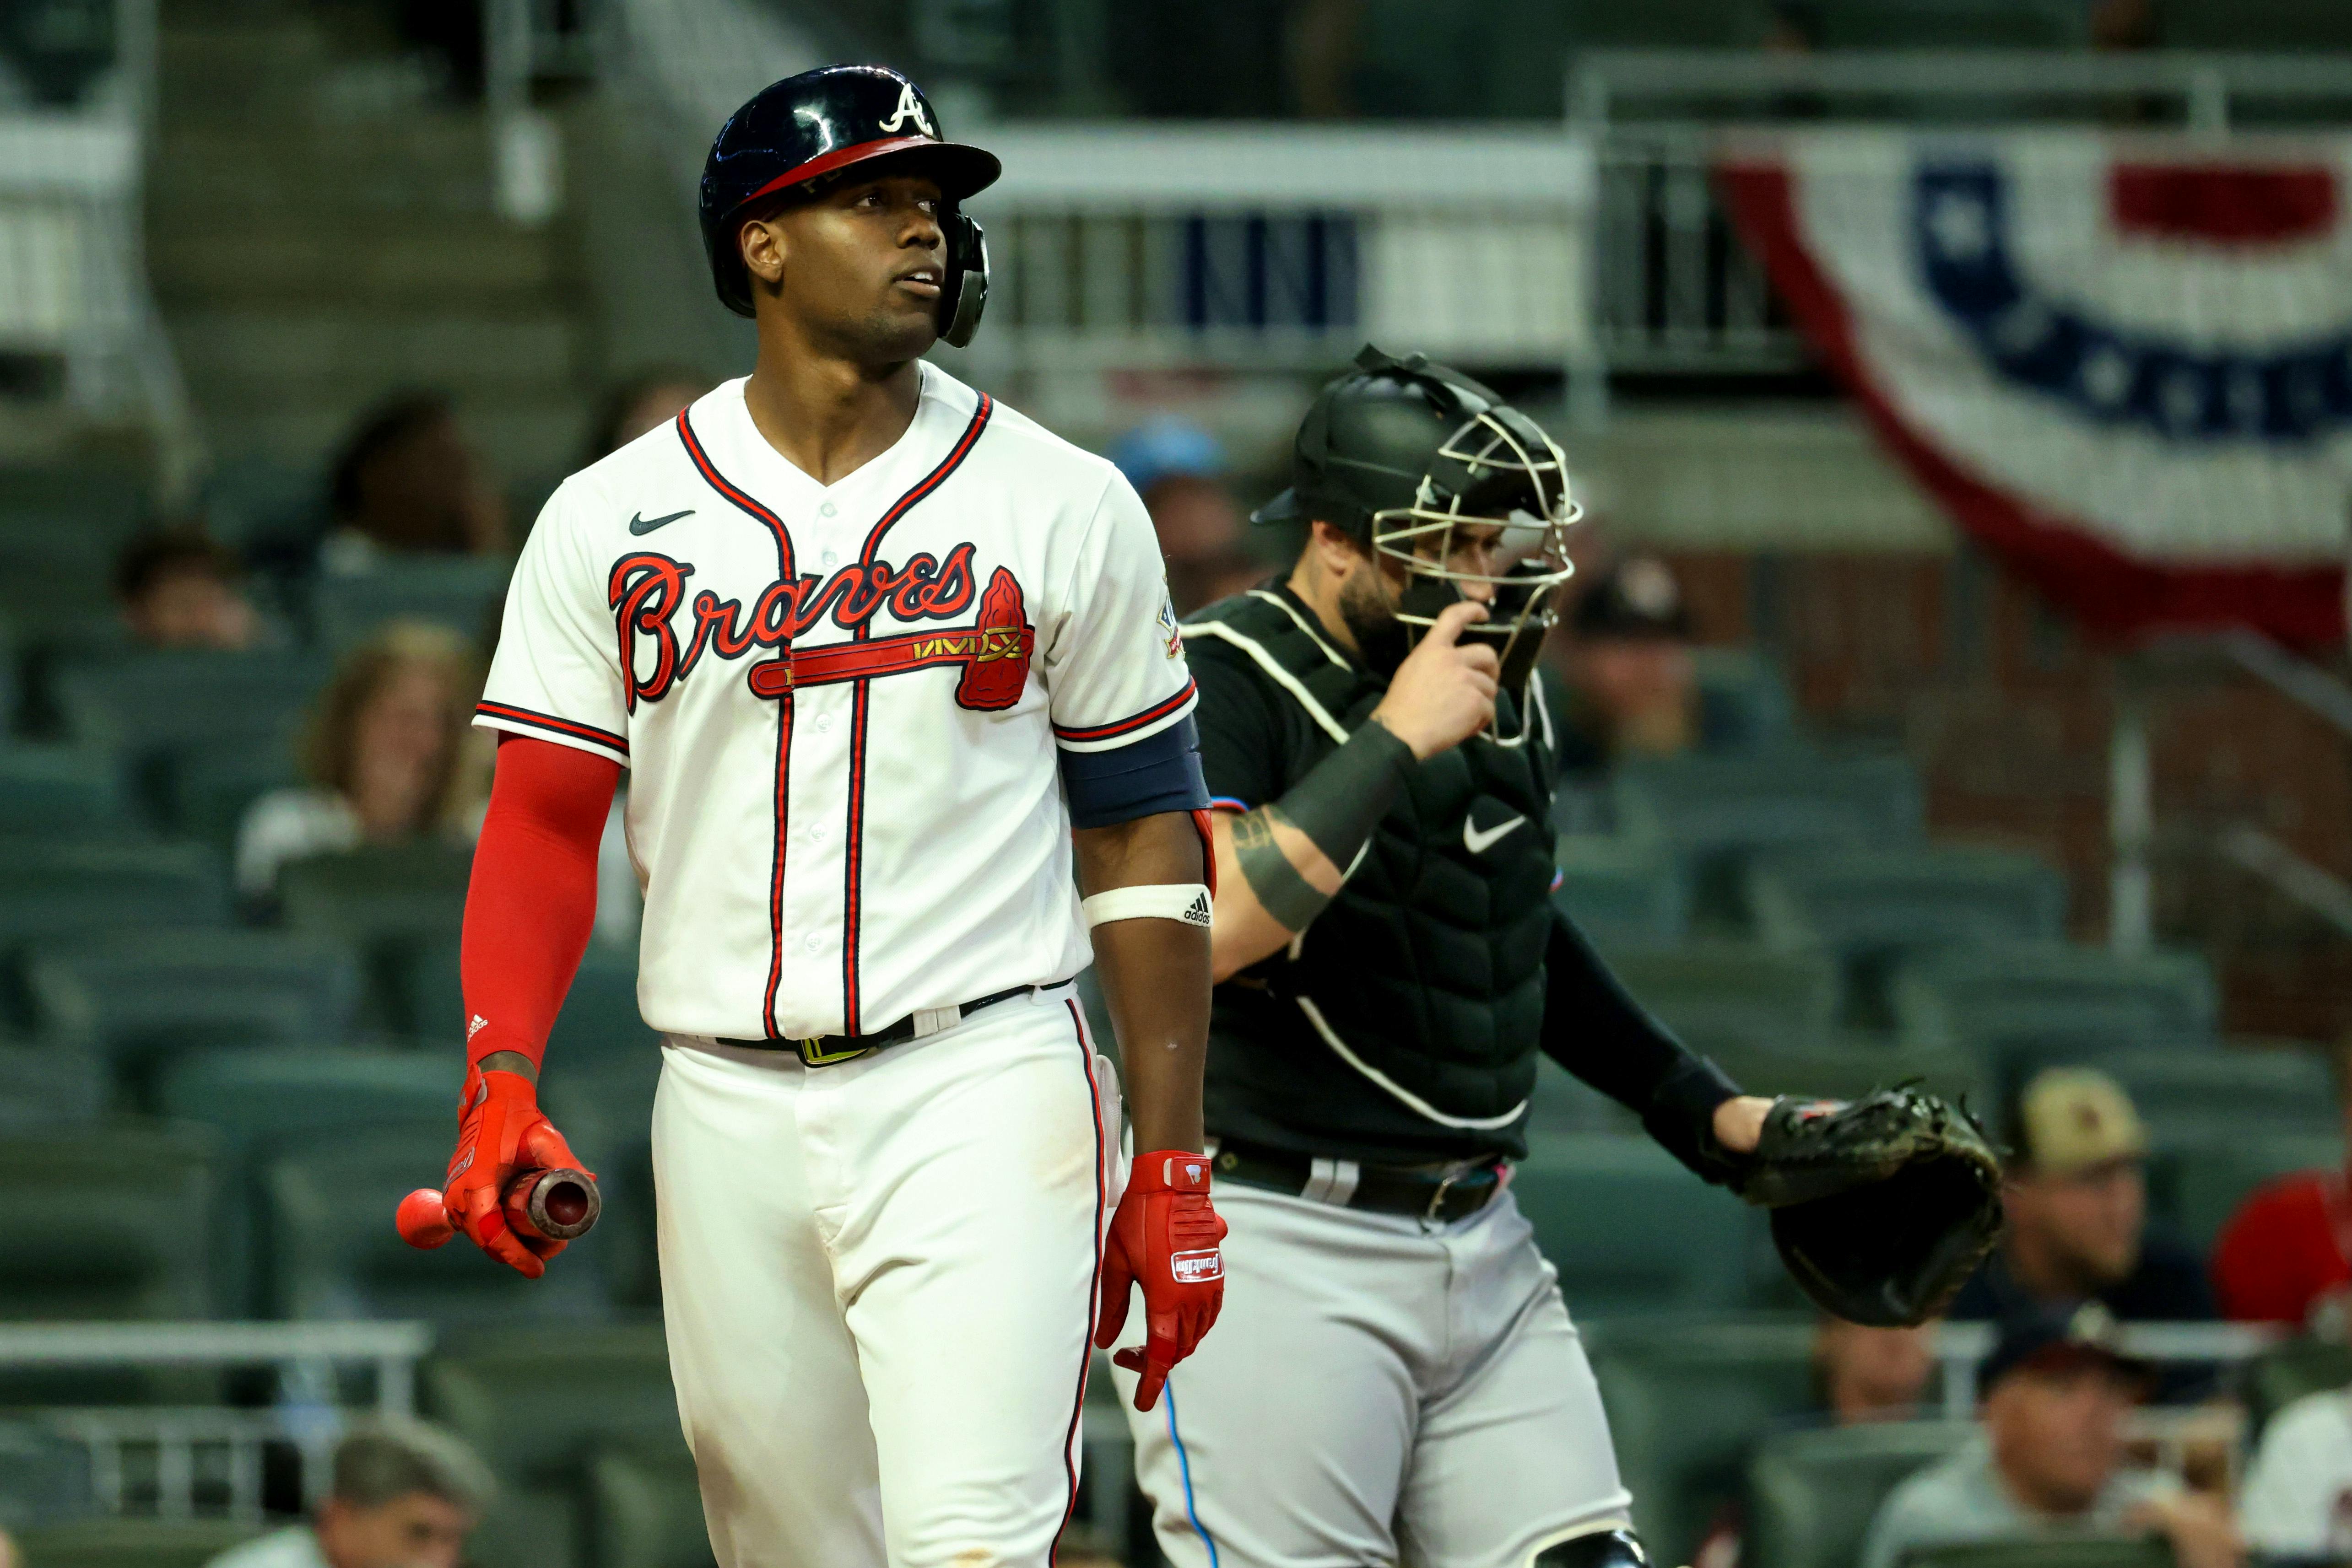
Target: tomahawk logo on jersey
(841, 705)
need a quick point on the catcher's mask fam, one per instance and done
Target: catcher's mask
(1426, 467)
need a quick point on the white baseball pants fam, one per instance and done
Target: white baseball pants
(878, 1279)
(1378, 1392)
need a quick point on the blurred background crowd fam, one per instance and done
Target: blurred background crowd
(1953, 690)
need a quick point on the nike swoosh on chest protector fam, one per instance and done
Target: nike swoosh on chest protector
(1478, 841)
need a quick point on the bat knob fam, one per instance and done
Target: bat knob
(555, 1204)
(421, 1221)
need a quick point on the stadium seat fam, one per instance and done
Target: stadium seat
(2296, 25)
(1620, 891)
(133, 1543)
(459, 593)
(1686, 1402)
(1987, 994)
(1895, 900)
(2193, 1095)
(393, 902)
(600, 1017)
(61, 792)
(2118, 1552)
(54, 890)
(332, 1254)
(51, 1085)
(2197, 1185)
(108, 1222)
(644, 1509)
(144, 703)
(539, 1407)
(142, 994)
(1714, 812)
(1721, 986)
(266, 1101)
(1811, 1494)
(205, 790)
(1744, 703)
(2286, 1373)
(1947, 25)
(1629, 1231)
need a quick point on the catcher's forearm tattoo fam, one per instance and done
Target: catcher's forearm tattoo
(1290, 898)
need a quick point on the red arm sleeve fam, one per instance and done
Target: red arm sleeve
(532, 899)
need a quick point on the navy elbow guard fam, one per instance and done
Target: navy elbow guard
(1161, 772)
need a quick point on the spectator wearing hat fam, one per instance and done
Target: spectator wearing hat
(1178, 469)
(2285, 1256)
(182, 588)
(1632, 689)
(405, 1495)
(2048, 1463)
(2076, 1199)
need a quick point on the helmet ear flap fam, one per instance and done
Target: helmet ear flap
(966, 293)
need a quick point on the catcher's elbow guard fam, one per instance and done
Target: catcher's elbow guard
(1882, 1207)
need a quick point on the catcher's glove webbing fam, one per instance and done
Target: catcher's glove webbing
(1882, 1207)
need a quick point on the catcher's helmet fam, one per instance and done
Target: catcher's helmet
(810, 125)
(1401, 452)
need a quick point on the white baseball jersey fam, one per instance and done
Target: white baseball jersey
(840, 704)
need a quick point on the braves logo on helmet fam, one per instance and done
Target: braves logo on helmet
(910, 112)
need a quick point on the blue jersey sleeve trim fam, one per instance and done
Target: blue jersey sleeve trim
(1161, 772)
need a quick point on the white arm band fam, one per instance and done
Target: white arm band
(1181, 901)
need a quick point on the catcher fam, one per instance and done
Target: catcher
(1398, 1379)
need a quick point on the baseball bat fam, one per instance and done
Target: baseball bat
(550, 1205)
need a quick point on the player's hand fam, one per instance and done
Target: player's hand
(500, 1131)
(1444, 693)
(1164, 1237)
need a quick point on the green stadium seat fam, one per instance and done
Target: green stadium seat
(1813, 1494)
(268, 1101)
(1987, 994)
(1620, 891)
(541, 1407)
(2120, 1552)
(205, 790)
(2193, 1094)
(645, 1509)
(393, 902)
(1632, 1231)
(51, 1085)
(142, 994)
(61, 792)
(1716, 987)
(1895, 900)
(1948, 24)
(459, 593)
(1686, 1402)
(2286, 1373)
(109, 1222)
(2197, 1185)
(2295, 26)
(55, 890)
(332, 1252)
(1744, 702)
(144, 703)
(133, 1543)
(600, 1017)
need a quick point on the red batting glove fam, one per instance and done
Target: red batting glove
(500, 1131)
(1164, 1237)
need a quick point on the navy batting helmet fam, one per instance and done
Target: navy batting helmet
(818, 122)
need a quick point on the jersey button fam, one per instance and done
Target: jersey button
(824, 724)
(814, 941)
(831, 557)
(825, 511)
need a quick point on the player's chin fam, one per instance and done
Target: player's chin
(902, 324)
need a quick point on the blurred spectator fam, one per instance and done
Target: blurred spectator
(2048, 1463)
(1179, 470)
(405, 1495)
(2283, 1257)
(408, 483)
(380, 754)
(1872, 1374)
(2297, 1501)
(2076, 1199)
(1632, 690)
(184, 590)
(651, 397)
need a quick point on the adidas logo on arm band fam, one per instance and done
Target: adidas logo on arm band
(1183, 901)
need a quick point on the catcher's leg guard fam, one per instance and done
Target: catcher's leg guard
(1600, 1548)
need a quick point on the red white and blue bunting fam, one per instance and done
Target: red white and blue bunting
(2125, 365)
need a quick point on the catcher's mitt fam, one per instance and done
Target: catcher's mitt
(1882, 1207)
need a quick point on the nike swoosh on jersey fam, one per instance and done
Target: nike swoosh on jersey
(641, 524)
(1478, 841)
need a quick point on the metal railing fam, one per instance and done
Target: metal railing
(187, 1458)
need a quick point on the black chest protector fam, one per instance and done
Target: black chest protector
(1404, 1021)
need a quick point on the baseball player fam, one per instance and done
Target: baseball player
(1399, 1381)
(875, 648)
